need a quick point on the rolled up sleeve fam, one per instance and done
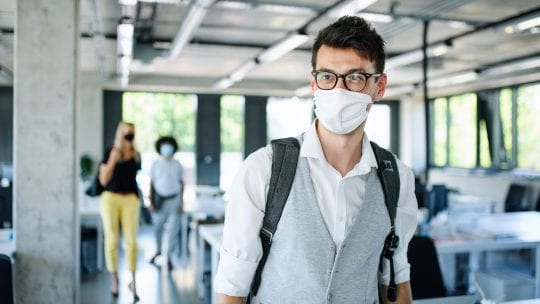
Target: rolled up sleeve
(234, 275)
(241, 247)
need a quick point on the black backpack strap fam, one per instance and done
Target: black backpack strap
(389, 176)
(284, 161)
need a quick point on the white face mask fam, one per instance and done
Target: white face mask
(341, 111)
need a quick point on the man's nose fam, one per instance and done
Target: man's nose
(341, 83)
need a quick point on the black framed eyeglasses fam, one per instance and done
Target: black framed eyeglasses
(355, 81)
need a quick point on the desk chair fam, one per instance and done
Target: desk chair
(437, 200)
(426, 276)
(6, 281)
(514, 197)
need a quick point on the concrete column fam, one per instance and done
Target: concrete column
(46, 208)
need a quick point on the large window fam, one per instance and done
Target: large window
(440, 131)
(496, 129)
(378, 125)
(232, 138)
(381, 122)
(462, 131)
(454, 131)
(288, 116)
(528, 127)
(162, 114)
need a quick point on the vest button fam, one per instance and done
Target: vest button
(329, 297)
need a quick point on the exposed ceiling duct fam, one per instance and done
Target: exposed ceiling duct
(193, 18)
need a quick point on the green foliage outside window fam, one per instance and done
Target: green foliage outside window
(161, 114)
(440, 140)
(462, 138)
(528, 127)
(232, 123)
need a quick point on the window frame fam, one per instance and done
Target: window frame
(495, 140)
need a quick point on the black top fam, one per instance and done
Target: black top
(123, 178)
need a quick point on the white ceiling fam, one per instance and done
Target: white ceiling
(235, 32)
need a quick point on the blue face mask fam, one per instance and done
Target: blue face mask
(166, 150)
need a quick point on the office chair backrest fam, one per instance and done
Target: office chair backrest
(437, 200)
(426, 276)
(6, 281)
(538, 203)
(514, 197)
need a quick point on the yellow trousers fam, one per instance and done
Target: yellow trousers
(118, 209)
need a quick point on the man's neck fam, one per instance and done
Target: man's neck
(342, 152)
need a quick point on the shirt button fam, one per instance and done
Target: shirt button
(340, 219)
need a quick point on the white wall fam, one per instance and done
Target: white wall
(412, 133)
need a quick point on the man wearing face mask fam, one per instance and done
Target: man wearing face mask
(327, 244)
(167, 189)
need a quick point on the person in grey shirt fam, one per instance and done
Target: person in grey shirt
(167, 189)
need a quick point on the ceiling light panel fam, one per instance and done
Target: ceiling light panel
(377, 18)
(349, 7)
(284, 46)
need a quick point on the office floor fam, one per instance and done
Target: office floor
(155, 285)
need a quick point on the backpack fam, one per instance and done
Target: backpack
(284, 161)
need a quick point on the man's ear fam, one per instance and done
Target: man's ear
(381, 87)
(313, 85)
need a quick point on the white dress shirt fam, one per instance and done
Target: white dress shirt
(339, 199)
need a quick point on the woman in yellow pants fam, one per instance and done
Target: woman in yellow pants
(120, 204)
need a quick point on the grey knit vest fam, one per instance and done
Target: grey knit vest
(304, 265)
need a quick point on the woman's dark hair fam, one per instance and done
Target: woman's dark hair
(166, 140)
(352, 32)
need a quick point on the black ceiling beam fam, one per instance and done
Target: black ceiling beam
(483, 27)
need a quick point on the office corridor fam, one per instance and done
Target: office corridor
(155, 285)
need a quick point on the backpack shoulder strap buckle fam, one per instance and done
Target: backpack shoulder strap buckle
(267, 233)
(388, 165)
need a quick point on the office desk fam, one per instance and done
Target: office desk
(203, 206)
(90, 216)
(468, 299)
(209, 243)
(494, 232)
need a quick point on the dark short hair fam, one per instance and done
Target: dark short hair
(166, 140)
(352, 32)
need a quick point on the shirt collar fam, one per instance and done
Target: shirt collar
(311, 148)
